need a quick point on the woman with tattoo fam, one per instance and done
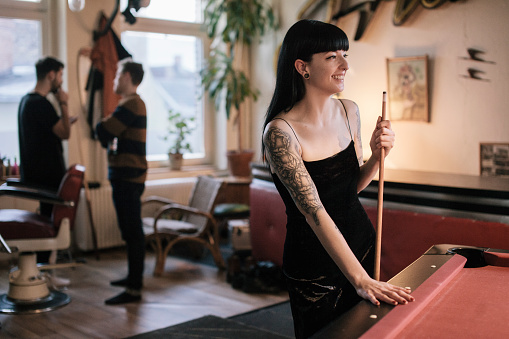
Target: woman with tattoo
(313, 147)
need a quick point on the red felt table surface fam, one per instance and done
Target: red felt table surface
(454, 302)
(475, 304)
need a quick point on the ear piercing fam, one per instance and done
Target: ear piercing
(306, 75)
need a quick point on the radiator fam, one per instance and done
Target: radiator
(104, 216)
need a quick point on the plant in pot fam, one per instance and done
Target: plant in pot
(179, 128)
(234, 25)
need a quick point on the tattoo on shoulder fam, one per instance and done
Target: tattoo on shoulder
(358, 117)
(358, 135)
(292, 172)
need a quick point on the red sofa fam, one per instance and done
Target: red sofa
(267, 222)
(405, 236)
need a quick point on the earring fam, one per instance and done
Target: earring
(306, 75)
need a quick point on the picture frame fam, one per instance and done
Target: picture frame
(408, 88)
(494, 159)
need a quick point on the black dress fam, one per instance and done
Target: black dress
(318, 290)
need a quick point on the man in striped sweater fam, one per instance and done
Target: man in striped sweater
(123, 133)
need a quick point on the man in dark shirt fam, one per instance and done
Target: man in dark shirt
(41, 130)
(124, 133)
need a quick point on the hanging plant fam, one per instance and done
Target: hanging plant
(220, 75)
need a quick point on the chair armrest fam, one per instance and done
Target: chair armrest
(151, 204)
(157, 199)
(189, 210)
(27, 192)
(182, 208)
(209, 229)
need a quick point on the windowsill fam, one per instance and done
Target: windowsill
(186, 171)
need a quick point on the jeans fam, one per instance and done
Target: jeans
(127, 201)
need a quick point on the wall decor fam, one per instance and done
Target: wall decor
(404, 8)
(495, 159)
(336, 9)
(408, 88)
(311, 6)
(474, 54)
(474, 73)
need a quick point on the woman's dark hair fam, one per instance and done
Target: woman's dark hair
(303, 39)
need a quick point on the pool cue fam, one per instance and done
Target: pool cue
(380, 203)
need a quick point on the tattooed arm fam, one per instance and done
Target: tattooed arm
(283, 153)
(284, 157)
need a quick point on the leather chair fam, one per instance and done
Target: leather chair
(28, 232)
(195, 223)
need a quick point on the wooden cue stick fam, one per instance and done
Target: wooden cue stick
(380, 203)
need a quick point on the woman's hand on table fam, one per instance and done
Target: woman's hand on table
(376, 291)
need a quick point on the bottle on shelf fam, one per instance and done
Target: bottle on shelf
(15, 168)
(8, 169)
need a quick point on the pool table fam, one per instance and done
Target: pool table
(455, 297)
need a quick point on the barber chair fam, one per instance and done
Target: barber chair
(26, 232)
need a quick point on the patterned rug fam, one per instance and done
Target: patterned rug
(208, 327)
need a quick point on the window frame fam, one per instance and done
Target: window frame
(16, 9)
(147, 25)
(36, 11)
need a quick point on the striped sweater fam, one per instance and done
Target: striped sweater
(128, 123)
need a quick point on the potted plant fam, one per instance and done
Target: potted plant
(236, 24)
(179, 128)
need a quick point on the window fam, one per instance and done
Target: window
(174, 10)
(22, 34)
(167, 39)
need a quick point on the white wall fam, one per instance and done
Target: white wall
(463, 112)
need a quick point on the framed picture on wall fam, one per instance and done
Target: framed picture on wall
(495, 159)
(408, 88)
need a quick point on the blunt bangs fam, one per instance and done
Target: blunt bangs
(308, 37)
(329, 38)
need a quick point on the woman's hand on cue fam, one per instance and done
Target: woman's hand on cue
(376, 291)
(383, 136)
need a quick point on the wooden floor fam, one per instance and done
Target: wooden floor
(186, 291)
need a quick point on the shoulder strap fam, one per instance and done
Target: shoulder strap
(347, 121)
(290, 128)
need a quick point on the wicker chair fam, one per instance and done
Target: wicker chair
(195, 222)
